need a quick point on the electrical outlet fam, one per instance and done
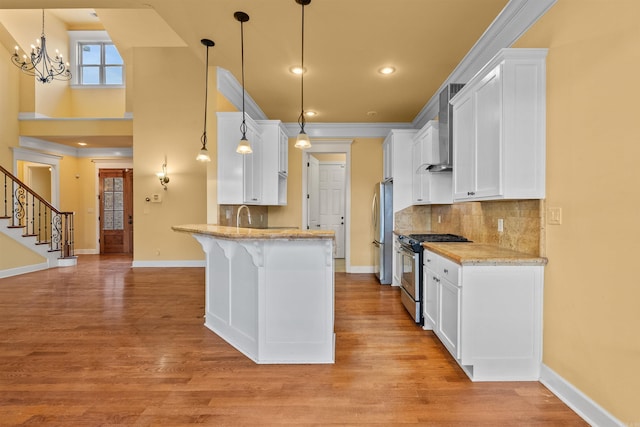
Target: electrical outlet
(554, 216)
(500, 225)
(156, 198)
(439, 219)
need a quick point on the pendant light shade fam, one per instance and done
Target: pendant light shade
(203, 154)
(303, 140)
(244, 146)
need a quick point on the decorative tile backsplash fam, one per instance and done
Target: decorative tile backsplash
(478, 221)
(227, 216)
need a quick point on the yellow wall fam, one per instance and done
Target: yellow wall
(168, 124)
(591, 313)
(366, 170)
(14, 255)
(97, 102)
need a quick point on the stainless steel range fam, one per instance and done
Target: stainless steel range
(411, 251)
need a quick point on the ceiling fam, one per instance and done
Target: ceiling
(346, 43)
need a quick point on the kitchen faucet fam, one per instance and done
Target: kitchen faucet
(238, 215)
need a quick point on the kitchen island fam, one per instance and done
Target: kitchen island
(270, 292)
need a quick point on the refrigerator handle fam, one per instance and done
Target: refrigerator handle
(374, 211)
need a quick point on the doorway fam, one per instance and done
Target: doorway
(116, 211)
(326, 187)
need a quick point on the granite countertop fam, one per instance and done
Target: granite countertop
(235, 233)
(482, 254)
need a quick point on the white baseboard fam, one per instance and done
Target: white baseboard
(86, 251)
(589, 410)
(169, 263)
(23, 270)
(358, 269)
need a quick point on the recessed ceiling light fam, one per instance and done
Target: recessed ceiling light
(310, 113)
(387, 70)
(298, 70)
(82, 144)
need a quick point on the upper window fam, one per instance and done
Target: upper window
(99, 64)
(94, 60)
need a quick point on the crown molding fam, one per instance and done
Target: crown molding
(345, 130)
(65, 150)
(228, 86)
(514, 20)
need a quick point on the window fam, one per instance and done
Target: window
(99, 64)
(95, 60)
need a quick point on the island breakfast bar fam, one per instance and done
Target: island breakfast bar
(270, 292)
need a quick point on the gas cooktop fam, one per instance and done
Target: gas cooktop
(413, 241)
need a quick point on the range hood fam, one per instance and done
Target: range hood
(445, 129)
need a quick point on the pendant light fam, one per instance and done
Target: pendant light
(203, 154)
(244, 146)
(40, 64)
(302, 141)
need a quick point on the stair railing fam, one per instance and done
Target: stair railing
(37, 217)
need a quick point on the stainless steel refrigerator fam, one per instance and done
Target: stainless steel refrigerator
(382, 220)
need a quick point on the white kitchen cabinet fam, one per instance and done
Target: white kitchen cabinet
(428, 187)
(489, 317)
(499, 129)
(396, 263)
(256, 178)
(397, 165)
(275, 162)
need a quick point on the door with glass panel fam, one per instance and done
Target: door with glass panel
(116, 211)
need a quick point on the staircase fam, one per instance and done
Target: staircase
(33, 222)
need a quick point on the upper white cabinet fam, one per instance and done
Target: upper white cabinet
(397, 165)
(428, 187)
(256, 178)
(275, 158)
(499, 129)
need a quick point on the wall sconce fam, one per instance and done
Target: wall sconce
(163, 177)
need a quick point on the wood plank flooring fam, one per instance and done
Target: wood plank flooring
(106, 344)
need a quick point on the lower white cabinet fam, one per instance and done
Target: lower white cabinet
(396, 263)
(489, 317)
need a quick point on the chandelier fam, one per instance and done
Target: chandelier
(40, 64)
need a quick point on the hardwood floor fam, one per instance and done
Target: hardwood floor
(106, 344)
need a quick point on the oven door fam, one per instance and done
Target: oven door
(410, 281)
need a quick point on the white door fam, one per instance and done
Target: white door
(332, 177)
(313, 193)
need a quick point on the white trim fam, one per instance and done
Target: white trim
(168, 264)
(124, 163)
(332, 146)
(86, 252)
(579, 402)
(362, 269)
(53, 161)
(65, 150)
(345, 130)
(23, 270)
(514, 20)
(228, 86)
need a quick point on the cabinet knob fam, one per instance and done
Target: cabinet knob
(446, 271)
(471, 193)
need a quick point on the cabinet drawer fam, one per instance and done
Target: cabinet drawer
(442, 266)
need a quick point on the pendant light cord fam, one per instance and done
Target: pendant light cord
(301, 120)
(203, 139)
(243, 126)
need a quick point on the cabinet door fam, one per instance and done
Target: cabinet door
(488, 111)
(430, 294)
(464, 150)
(416, 161)
(449, 317)
(283, 152)
(387, 158)
(252, 169)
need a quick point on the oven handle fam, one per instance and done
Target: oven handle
(407, 252)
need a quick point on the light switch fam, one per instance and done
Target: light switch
(554, 216)
(156, 198)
